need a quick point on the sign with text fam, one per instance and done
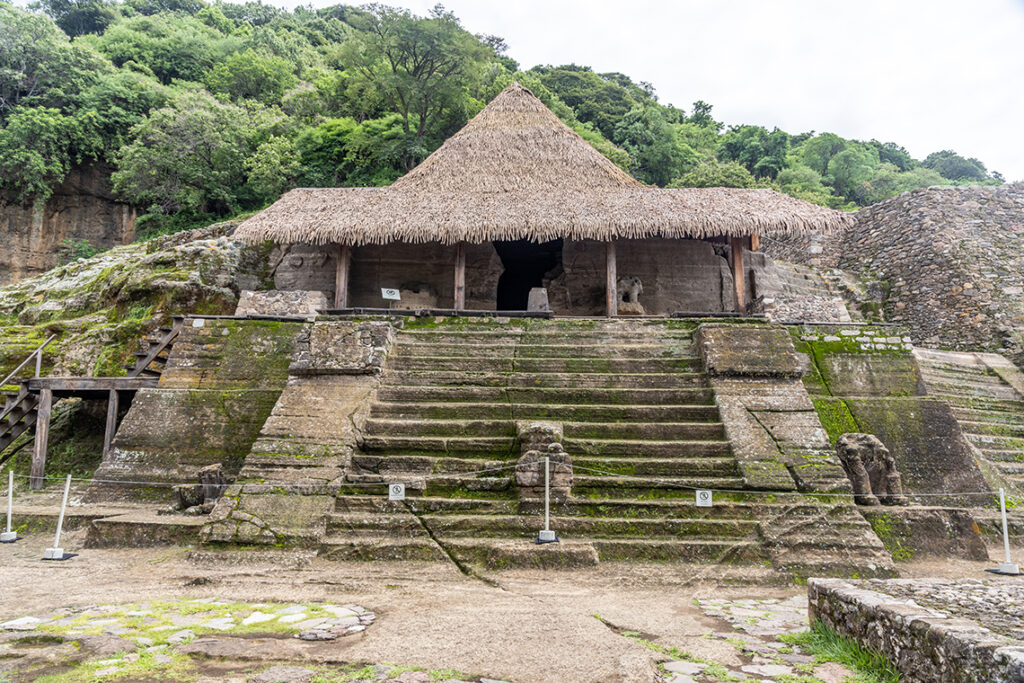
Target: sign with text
(396, 492)
(391, 294)
(703, 498)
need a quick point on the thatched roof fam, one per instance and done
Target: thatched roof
(516, 171)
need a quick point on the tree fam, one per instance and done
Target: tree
(252, 75)
(39, 66)
(817, 152)
(273, 168)
(36, 151)
(78, 17)
(702, 116)
(761, 152)
(419, 66)
(851, 172)
(187, 156)
(951, 165)
(121, 100)
(593, 98)
(656, 154)
(714, 173)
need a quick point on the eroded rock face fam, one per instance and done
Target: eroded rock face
(343, 348)
(871, 469)
(530, 474)
(81, 208)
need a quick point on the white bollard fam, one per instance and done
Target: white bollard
(9, 536)
(547, 535)
(56, 552)
(1007, 567)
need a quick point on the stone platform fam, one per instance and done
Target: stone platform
(932, 630)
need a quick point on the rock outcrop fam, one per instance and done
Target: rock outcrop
(81, 208)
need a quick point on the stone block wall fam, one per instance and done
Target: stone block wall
(925, 645)
(864, 378)
(222, 379)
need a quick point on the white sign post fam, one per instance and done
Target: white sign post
(396, 491)
(1007, 567)
(703, 498)
(56, 552)
(9, 536)
(546, 535)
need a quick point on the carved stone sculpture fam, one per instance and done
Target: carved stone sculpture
(630, 289)
(530, 474)
(200, 499)
(871, 469)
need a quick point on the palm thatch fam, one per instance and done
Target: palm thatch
(516, 171)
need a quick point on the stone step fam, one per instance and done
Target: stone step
(345, 548)
(710, 551)
(1013, 417)
(675, 380)
(526, 526)
(557, 396)
(966, 388)
(610, 448)
(992, 428)
(726, 506)
(550, 334)
(425, 504)
(996, 455)
(656, 431)
(968, 401)
(1010, 468)
(422, 464)
(515, 411)
(653, 487)
(516, 350)
(577, 365)
(659, 467)
(499, 447)
(953, 370)
(989, 442)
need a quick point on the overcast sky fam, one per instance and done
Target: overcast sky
(928, 74)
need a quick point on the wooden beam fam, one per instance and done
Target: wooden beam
(112, 408)
(341, 276)
(460, 276)
(42, 435)
(737, 272)
(755, 242)
(611, 280)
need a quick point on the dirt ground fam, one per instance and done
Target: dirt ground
(520, 625)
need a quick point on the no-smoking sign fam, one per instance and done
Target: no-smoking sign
(703, 498)
(396, 491)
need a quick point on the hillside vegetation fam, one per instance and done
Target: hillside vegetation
(208, 110)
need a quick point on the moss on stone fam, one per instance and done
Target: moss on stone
(835, 417)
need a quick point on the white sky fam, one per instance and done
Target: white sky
(927, 74)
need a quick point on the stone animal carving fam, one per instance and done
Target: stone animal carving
(630, 289)
(871, 469)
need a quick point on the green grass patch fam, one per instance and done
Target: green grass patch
(825, 645)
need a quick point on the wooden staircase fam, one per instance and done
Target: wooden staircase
(24, 407)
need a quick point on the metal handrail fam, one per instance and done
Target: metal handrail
(38, 353)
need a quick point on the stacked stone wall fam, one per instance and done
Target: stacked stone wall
(949, 261)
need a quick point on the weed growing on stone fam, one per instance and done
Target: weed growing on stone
(828, 646)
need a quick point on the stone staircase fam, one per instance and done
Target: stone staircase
(990, 410)
(640, 423)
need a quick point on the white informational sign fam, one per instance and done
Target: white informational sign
(703, 499)
(396, 492)
(391, 294)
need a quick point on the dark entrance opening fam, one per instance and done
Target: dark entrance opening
(526, 263)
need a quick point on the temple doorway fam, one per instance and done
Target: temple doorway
(526, 263)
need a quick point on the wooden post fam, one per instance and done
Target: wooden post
(737, 272)
(42, 435)
(460, 276)
(755, 242)
(611, 280)
(341, 277)
(112, 408)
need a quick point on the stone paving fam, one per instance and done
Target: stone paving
(162, 638)
(758, 635)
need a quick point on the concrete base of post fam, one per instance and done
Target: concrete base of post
(8, 536)
(53, 554)
(546, 536)
(1009, 568)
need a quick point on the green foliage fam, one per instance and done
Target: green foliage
(828, 646)
(715, 173)
(209, 109)
(72, 250)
